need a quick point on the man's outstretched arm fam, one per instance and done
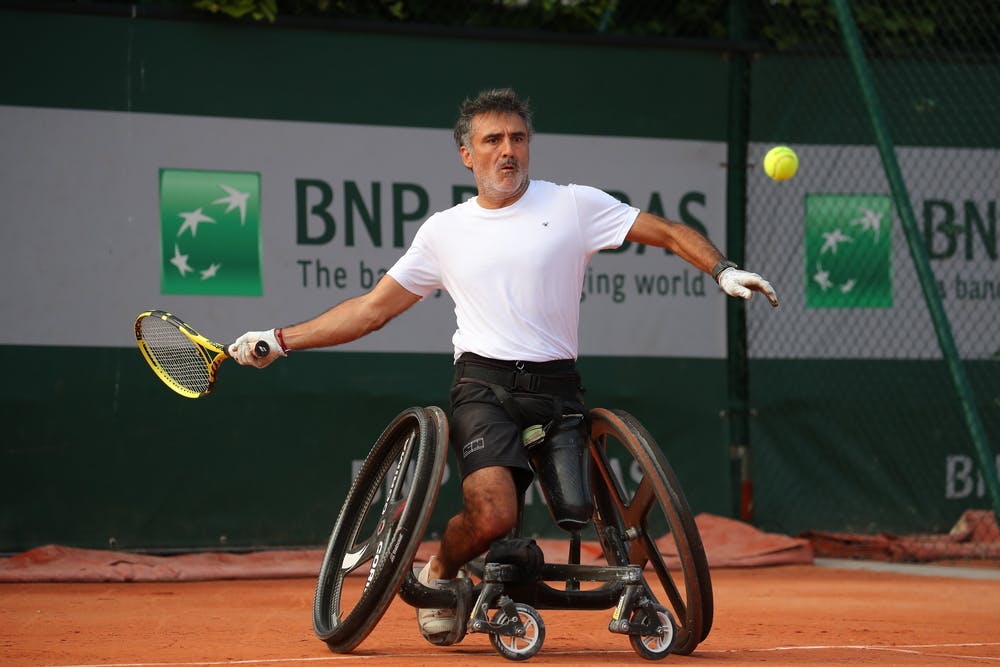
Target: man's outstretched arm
(345, 322)
(693, 247)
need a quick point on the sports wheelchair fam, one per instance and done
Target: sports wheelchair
(662, 609)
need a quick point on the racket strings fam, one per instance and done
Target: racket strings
(178, 356)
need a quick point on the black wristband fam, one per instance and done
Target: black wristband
(720, 267)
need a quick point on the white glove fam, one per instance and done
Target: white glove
(244, 349)
(743, 284)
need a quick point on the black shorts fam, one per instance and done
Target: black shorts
(484, 434)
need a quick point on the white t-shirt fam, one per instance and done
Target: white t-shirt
(516, 273)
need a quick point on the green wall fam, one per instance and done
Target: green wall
(97, 451)
(862, 446)
(178, 67)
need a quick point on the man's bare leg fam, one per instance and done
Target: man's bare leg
(490, 513)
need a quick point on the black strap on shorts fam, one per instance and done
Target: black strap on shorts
(557, 377)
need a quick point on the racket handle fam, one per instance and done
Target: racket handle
(261, 349)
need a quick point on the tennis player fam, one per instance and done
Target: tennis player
(513, 259)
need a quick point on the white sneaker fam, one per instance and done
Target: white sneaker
(434, 621)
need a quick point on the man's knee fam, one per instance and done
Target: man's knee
(491, 502)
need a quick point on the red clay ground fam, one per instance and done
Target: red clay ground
(784, 615)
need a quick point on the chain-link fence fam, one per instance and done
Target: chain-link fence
(866, 411)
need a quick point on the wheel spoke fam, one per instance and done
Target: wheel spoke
(611, 481)
(663, 574)
(640, 505)
(397, 482)
(356, 556)
(632, 511)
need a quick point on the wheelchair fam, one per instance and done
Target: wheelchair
(639, 513)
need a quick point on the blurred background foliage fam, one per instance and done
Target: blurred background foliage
(888, 26)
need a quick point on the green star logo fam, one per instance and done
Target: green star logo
(210, 232)
(848, 251)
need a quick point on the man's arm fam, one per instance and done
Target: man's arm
(693, 247)
(353, 318)
(345, 322)
(682, 240)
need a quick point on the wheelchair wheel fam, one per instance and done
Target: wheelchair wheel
(380, 525)
(640, 512)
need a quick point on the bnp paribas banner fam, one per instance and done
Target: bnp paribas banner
(238, 224)
(833, 243)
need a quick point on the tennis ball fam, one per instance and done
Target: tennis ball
(781, 163)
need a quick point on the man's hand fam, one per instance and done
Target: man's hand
(243, 349)
(743, 284)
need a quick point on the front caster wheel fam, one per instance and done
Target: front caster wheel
(523, 646)
(657, 637)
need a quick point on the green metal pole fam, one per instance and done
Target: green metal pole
(852, 41)
(738, 395)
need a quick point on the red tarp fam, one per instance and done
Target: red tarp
(728, 543)
(974, 536)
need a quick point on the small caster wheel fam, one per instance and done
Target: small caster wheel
(519, 647)
(658, 626)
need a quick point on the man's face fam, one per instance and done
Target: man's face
(498, 157)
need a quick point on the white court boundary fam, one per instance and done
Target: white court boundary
(919, 569)
(927, 650)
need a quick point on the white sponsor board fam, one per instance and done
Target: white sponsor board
(81, 247)
(81, 239)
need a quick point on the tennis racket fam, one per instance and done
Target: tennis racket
(186, 361)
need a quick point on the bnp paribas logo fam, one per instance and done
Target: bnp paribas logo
(210, 232)
(848, 251)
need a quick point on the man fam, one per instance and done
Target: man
(513, 259)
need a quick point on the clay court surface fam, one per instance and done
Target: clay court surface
(784, 615)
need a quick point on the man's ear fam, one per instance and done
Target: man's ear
(466, 156)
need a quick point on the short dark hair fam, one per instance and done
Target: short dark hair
(495, 100)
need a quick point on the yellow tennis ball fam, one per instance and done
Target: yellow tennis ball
(781, 163)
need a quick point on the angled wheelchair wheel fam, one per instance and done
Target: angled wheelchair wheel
(380, 526)
(640, 514)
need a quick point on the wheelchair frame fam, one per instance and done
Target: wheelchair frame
(406, 464)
